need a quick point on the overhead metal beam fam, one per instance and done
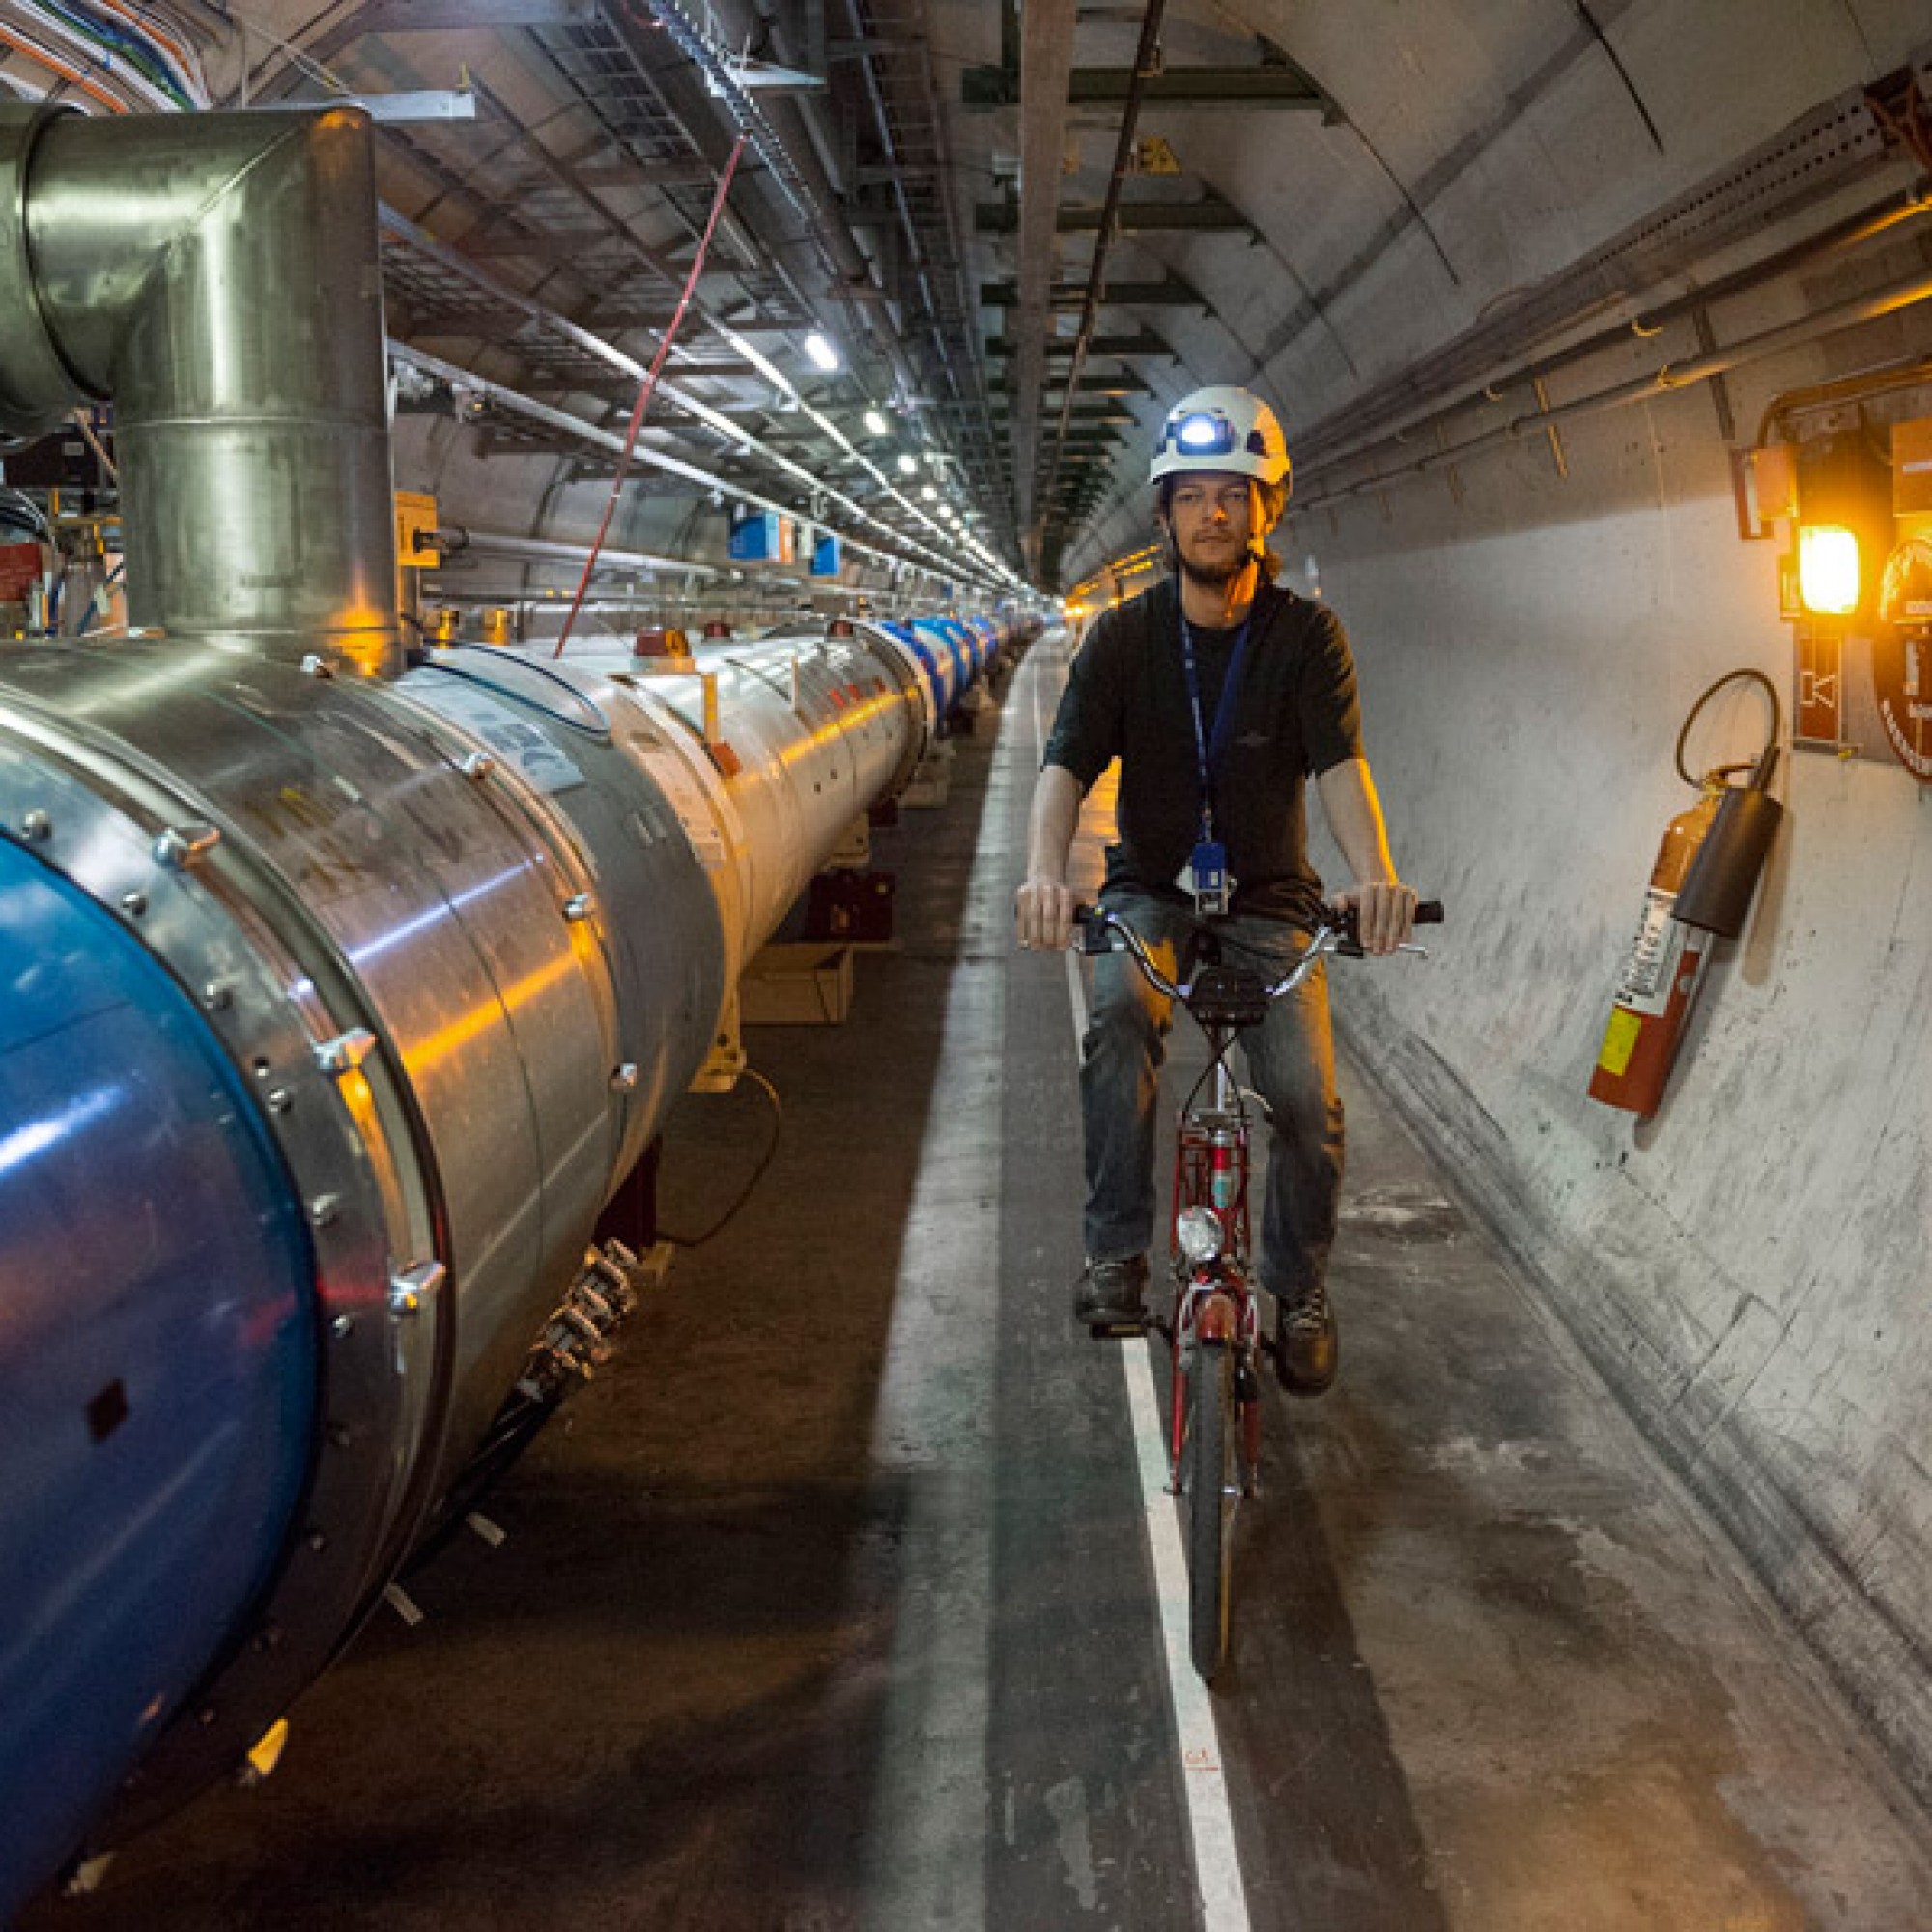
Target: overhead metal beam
(414, 17)
(1099, 412)
(1059, 347)
(631, 174)
(880, 174)
(401, 16)
(478, 325)
(1170, 293)
(560, 391)
(1002, 218)
(1126, 383)
(615, 320)
(1271, 86)
(1092, 442)
(559, 248)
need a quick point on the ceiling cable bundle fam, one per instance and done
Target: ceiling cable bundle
(122, 57)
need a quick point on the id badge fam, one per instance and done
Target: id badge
(1205, 877)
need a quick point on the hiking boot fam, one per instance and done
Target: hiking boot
(1305, 1348)
(1110, 1293)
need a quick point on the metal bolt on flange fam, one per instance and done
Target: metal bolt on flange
(181, 846)
(37, 826)
(346, 1052)
(413, 1286)
(576, 906)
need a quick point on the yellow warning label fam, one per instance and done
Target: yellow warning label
(1620, 1038)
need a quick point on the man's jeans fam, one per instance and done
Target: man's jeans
(1290, 1063)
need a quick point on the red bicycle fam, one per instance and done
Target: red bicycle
(1215, 1332)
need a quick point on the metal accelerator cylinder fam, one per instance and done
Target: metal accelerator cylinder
(333, 1009)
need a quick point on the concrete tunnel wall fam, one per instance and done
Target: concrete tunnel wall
(1752, 1270)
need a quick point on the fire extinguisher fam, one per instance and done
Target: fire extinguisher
(1700, 888)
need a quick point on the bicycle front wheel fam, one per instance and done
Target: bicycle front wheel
(1209, 1486)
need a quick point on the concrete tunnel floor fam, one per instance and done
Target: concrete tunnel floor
(829, 1604)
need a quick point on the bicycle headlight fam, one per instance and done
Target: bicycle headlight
(1198, 1230)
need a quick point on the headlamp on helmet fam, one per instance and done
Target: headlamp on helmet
(1203, 432)
(1208, 433)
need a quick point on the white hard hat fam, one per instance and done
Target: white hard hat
(1221, 429)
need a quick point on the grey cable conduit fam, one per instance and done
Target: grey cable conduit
(1663, 381)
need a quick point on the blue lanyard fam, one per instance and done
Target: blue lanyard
(1208, 753)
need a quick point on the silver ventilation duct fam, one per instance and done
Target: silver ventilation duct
(218, 276)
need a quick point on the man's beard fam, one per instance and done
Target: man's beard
(1217, 573)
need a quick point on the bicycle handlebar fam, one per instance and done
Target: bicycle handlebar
(1428, 912)
(1335, 933)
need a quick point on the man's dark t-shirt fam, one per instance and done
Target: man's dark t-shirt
(1296, 717)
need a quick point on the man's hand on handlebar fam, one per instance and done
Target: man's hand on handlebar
(1043, 914)
(1385, 912)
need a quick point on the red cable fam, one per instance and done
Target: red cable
(644, 393)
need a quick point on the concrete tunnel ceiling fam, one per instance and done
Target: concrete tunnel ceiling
(1320, 202)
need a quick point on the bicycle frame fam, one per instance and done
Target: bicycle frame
(1213, 1300)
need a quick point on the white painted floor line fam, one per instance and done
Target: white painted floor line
(1217, 1864)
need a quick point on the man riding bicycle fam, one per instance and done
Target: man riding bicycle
(1220, 692)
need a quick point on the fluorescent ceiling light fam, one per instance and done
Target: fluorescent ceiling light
(821, 352)
(875, 423)
(930, 495)
(906, 465)
(769, 77)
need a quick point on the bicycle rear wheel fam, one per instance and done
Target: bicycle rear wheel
(1209, 1486)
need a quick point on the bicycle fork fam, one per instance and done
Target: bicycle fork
(1214, 1314)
